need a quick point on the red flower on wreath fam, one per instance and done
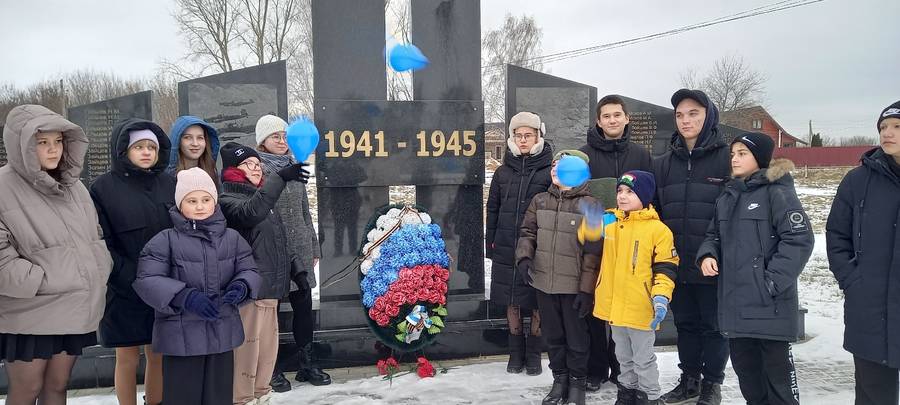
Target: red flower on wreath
(425, 369)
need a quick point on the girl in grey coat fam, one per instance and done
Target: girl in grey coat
(53, 261)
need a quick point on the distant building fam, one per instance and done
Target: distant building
(494, 140)
(757, 119)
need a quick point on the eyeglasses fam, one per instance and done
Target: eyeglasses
(523, 137)
(250, 165)
(279, 138)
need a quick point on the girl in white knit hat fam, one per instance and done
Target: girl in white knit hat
(293, 206)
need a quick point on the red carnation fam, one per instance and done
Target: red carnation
(393, 311)
(425, 368)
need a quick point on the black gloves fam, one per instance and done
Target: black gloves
(583, 303)
(524, 267)
(301, 280)
(295, 172)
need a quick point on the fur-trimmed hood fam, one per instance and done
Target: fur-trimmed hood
(778, 172)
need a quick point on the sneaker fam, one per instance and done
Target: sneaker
(625, 396)
(710, 393)
(687, 389)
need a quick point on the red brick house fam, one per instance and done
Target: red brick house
(757, 119)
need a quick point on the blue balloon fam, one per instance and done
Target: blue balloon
(572, 171)
(406, 57)
(302, 137)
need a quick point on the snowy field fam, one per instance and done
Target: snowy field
(824, 369)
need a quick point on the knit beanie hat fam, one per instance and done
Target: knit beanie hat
(892, 111)
(140, 135)
(268, 125)
(760, 145)
(642, 183)
(572, 152)
(234, 153)
(526, 119)
(194, 179)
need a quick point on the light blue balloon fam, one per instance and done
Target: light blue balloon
(302, 138)
(406, 57)
(572, 171)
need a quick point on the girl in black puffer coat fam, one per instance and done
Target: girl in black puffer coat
(133, 201)
(525, 173)
(248, 202)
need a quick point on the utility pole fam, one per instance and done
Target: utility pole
(62, 95)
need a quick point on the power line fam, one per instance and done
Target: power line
(762, 10)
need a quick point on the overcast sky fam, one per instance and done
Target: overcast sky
(836, 62)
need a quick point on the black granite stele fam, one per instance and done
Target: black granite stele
(567, 108)
(232, 102)
(97, 120)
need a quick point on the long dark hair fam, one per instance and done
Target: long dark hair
(205, 161)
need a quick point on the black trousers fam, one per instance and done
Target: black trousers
(566, 334)
(203, 380)
(302, 323)
(602, 362)
(702, 350)
(875, 383)
(765, 371)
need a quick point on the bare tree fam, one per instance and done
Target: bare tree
(165, 98)
(89, 86)
(210, 27)
(399, 26)
(516, 42)
(859, 140)
(731, 84)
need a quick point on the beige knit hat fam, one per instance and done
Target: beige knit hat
(526, 119)
(194, 179)
(268, 125)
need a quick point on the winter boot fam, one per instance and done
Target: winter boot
(533, 349)
(625, 396)
(279, 383)
(308, 370)
(710, 393)
(576, 390)
(594, 383)
(687, 389)
(640, 398)
(559, 391)
(516, 354)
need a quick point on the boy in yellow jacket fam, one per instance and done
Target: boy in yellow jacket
(637, 276)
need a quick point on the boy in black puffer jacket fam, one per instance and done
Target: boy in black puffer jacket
(758, 243)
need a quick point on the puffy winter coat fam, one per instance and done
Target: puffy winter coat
(293, 208)
(251, 212)
(761, 238)
(550, 237)
(639, 262)
(133, 206)
(863, 239)
(688, 183)
(202, 256)
(53, 262)
(513, 186)
(612, 157)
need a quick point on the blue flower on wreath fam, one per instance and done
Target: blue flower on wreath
(409, 246)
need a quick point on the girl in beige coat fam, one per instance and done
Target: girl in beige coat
(53, 261)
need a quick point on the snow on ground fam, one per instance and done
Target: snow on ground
(824, 369)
